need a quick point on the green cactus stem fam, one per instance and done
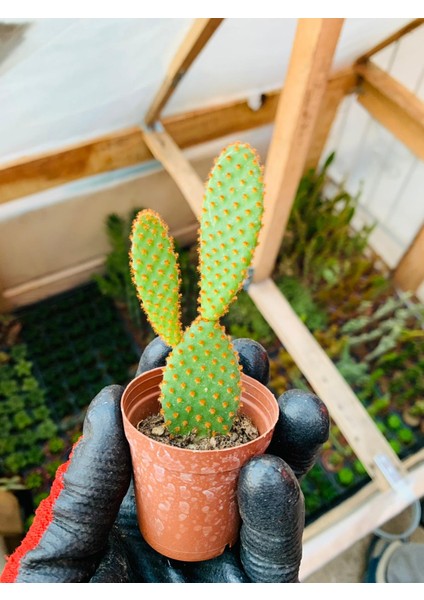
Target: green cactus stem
(230, 224)
(156, 275)
(201, 385)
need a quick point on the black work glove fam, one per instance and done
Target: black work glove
(87, 531)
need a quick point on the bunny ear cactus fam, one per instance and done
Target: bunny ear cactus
(201, 383)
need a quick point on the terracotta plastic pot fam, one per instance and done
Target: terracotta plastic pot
(186, 499)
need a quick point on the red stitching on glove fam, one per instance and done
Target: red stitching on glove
(43, 518)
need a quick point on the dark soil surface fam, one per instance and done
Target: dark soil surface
(243, 431)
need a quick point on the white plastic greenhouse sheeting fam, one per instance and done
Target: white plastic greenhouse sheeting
(69, 80)
(370, 161)
(72, 79)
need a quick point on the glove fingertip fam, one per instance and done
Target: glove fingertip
(303, 426)
(253, 358)
(154, 355)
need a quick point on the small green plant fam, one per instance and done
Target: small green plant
(379, 405)
(33, 480)
(116, 281)
(394, 422)
(354, 372)
(405, 435)
(303, 303)
(396, 446)
(418, 409)
(384, 328)
(23, 410)
(320, 247)
(336, 459)
(359, 467)
(346, 476)
(201, 384)
(244, 320)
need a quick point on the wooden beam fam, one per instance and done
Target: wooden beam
(393, 105)
(165, 150)
(305, 85)
(337, 88)
(409, 274)
(59, 281)
(194, 42)
(391, 39)
(35, 174)
(127, 147)
(204, 125)
(360, 515)
(91, 266)
(396, 92)
(357, 426)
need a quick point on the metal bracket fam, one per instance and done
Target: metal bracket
(249, 278)
(155, 127)
(394, 477)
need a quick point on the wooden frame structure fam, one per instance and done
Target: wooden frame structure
(302, 120)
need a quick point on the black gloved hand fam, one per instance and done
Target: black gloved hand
(86, 530)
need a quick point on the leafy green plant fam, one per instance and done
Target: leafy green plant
(336, 459)
(405, 435)
(245, 321)
(285, 374)
(116, 282)
(379, 405)
(394, 422)
(25, 418)
(346, 476)
(355, 373)
(320, 247)
(56, 444)
(33, 480)
(201, 383)
(303, 303)
(418, 409)
(359, 467)
(22, 409)
(384, 327)
(396, 446)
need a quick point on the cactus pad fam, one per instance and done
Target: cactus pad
(156, 275)
(230, 224)
(201, 384)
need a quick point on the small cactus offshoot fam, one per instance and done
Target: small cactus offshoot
(201, 384)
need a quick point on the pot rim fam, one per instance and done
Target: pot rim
(253, 382)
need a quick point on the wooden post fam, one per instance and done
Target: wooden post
(198, 36)
(304, 88)
(393, 105)
(169, 154)
(338, 87)
(409, 273)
